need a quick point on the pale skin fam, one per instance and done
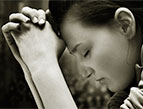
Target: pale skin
(99, 56)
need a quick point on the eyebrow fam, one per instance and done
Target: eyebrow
(75, 48)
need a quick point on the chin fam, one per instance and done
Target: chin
(117, 86)
(112, 90)
(115, 89)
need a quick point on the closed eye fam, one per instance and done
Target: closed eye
(86, 53)
(88, 76)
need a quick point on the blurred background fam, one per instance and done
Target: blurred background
(14, 91)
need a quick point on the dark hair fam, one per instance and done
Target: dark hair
(94, 11)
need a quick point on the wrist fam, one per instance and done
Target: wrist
(42, 64)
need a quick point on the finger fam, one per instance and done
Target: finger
(48, 15)
(51, 20)
(137, 93)
(6, 29)
(41, 17)
(128, 103)
(140, 94)
(47, 12)
(123, 106)
(138, 72)
(18, 17)
(32, 13)
(9, 27)
(141, 84)
(136, 97)
(11, 42)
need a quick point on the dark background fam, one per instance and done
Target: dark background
(14, 91)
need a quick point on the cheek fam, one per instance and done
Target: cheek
(120, 82)
(108, 58)
(111, 63)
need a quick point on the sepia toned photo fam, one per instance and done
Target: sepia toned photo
(71, 54)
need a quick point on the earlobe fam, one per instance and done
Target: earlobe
(126, 20)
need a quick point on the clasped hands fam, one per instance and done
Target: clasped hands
(30, 42)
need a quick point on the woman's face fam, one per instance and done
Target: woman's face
(101, 52)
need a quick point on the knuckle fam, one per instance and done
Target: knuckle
(11, 15)
(17, 15)
(8, 25)
(48, 24)
(47, 11)
(24, 8)
(133, 90)
(123, 106)
(35, 10)
(41, 14)
(125, 100)
(41, 11)
(3, 28)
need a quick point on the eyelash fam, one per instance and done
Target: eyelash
(86, 53)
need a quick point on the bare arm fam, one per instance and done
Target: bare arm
(39, 50)
(52, 87)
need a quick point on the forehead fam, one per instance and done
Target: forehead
(74, 32)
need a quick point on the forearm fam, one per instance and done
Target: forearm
(51, 85)
(31, 85)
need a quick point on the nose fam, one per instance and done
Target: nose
(85, 68)
(88, 72)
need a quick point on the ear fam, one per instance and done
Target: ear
(126, 20)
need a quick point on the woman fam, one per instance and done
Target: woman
(104, 36)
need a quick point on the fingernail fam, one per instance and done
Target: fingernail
(42, 21)
(35, 20)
